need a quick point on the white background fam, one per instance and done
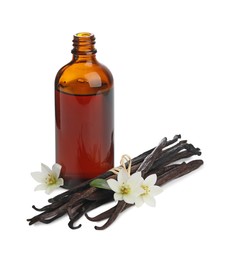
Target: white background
(171, 66)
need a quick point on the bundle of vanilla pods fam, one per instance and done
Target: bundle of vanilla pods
(168, 160)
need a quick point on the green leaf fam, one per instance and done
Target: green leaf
(100, 183)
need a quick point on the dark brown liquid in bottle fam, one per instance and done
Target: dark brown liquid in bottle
(84, 119)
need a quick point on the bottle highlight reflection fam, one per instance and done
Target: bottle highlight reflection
(84, 114)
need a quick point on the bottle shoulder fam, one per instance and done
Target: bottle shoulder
(84, 78)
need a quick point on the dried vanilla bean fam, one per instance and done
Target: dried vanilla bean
(78, 201)
(174, 173)
(135, 161)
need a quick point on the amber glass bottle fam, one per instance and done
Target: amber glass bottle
(84, 113)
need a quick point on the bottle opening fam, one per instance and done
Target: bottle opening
(83, 43)
(83, 34)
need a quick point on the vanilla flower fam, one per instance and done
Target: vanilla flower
(126, 187)
(49, 179)
(149, 191)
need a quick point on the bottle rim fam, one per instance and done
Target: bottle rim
(84, 34)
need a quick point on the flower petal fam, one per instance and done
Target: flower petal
(138, 191)
(42, 186)
(155, 190)
(60, 182)
(136, 176)
(148, 199)
(56, 169)
(122, 176)
(117, 196)
(113, 184)
(139, 201)
(150, 180)
(129, 198)
(45, 168)
(38, 176)
(135, 179)
(51, 188)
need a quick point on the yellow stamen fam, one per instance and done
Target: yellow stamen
(125, 189)
(51, 179)
(146, 189)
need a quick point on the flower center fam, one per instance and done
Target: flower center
(51, 179)
(146, 189)
(125, 189)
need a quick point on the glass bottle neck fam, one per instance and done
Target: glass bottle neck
(83, 46)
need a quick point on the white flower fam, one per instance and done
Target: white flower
(49, 179)
(149, 190)
(126, 187)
